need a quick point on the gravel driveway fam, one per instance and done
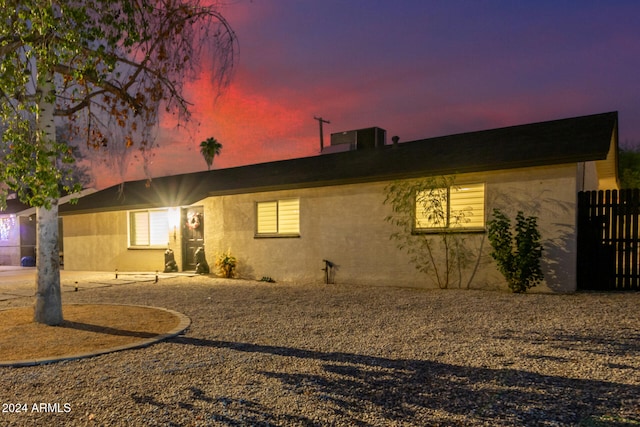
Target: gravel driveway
(315, 355)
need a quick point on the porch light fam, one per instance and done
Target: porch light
(173, 219)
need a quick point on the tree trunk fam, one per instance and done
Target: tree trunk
(48, 304)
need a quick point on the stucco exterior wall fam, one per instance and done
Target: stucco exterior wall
(550, 194)
(99, 242)
(587, 177)
(346, 225)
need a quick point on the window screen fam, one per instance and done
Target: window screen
(280, 217)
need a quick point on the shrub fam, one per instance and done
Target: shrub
(518, 258)
(226, 264)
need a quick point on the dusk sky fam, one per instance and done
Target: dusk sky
(418, 69)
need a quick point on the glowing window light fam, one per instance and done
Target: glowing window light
(6, 225)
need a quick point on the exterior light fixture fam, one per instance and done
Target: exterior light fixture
(173, 220)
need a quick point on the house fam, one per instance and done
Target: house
(18, 230)
(282, 219)
(17, 233)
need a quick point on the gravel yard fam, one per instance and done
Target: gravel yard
(314, 355)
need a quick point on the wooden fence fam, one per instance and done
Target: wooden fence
(608, 240)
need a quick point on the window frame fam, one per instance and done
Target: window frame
(448, 227)
(131, 233)
(278, 219)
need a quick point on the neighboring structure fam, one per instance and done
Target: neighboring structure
(17, 233)
(282, 219)
(18, 230)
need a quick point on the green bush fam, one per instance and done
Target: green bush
(518, 257)
(226, 265)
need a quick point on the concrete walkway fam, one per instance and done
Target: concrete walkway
(19, 282)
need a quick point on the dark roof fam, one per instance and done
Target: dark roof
(578, 139)
(14, 206)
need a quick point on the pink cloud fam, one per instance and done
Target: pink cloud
(405, 69)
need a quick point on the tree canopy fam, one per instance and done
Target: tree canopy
(629, 167)
(109, 67)
(210, 148)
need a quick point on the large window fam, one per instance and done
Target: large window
(149, 228)
(278, 218)
(457, 207)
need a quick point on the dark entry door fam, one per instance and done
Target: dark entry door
(192, 235)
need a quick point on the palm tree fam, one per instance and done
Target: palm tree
(209, 148)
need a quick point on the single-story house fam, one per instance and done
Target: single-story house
(282, 219)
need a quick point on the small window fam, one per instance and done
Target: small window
(278, 218)
(149, 228)
(457, 207)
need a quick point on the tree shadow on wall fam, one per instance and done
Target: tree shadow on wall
(558, 260)
(358, 387)
(558, 256)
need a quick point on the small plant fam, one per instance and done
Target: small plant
(226, 264)
(518, 257)
(267, 279)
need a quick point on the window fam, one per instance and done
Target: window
(278, 218)
(6, 225)
(149, 228)
(457, 207)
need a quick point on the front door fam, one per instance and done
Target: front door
(192, 235)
